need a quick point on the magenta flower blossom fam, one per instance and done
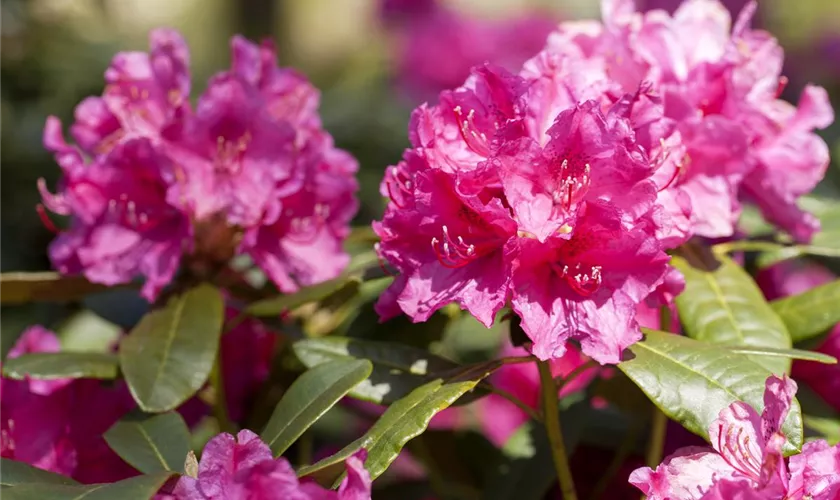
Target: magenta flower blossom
(747, 460)
(122, 225)
(250, 170)
(562, 222)
(243, 467)
(58, 425)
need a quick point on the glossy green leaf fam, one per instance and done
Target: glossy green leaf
(814, 356)
(402, 421)
(398, 369)
(151, 444)
(810, 313)
(309, 397)
(20, 288)
(169, 354)
(725, 306)
(136, 488)
(55, 365)
(274, 306)
(693, 381)
(14, 473)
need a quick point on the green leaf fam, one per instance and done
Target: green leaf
(811, 313)
(20, 288)
(85, 331)
(15, 473)
(398, 369)
(351, 277)
(55, 365)
(827, 428)
(402, 421)
(786, 353)
(724, 306)
(169, 354)
(151, 444)
(139, 488)
(693, 381)
(309, 397)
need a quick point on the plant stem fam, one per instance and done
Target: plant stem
(659, 420)
(657, 438)
(555, 434)
(219, 400)
(512, 360)
(513, 399)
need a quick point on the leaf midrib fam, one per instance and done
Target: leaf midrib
(170, 338)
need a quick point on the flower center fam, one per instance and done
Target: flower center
(229, 153)
(477, 141)
(453, 252)
(582, 278)
(573, 185)
(125, 212)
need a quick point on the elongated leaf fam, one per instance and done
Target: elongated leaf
(139, 488)
(169, 354)
(724, 306)
(351, 277)
(817, 357)
(20, 288)
(309, 397)
(401, 422)
(827, 428)
(15, 473)
(693, 381)
(811, 313)
(151, 444)
(397, 368)
(53, 365)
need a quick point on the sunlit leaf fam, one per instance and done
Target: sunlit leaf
(810, 313)
(57, 365)
(692, 381)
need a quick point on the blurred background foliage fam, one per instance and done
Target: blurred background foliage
(54, 53)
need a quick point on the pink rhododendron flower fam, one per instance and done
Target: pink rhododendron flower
(250, 170)
(561, 222)
(500, 418)
(747, 460)
(58, 425)
(792, 278)
(243, 467)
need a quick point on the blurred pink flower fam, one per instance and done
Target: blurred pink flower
(499, 417)
(246, 352)
(436, 45)
(792, 278)
(58, 425)
(243, 467)
(747, 460)
(249, 171)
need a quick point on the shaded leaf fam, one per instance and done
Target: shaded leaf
(810, 313)
(151, 444)
(397, 369)
(693, 381)
(20, 288)
(14, 473)
(351, 277)
(56, 365)
(140, 487)
(309, 397)
(169, 354)
(725, 306)
(402, 421)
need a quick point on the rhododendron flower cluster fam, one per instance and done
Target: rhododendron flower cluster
(243, 467)
(154, 183)
(747, 460)
(558, 190)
